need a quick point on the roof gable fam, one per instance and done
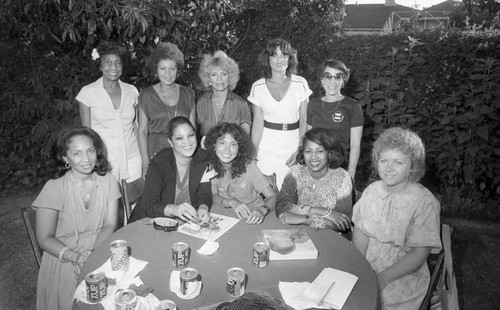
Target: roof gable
(449, 5)
(370, 16)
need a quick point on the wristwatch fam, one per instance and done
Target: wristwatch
(268, 210)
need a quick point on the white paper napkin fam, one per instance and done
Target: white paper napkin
(208, 248)
(292, 294)
(175, 286)
(123, 280)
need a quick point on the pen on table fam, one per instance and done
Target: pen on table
(326, 294)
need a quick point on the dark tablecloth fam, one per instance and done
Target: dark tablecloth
(235, 250)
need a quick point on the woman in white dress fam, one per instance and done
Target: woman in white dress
(108, 106)
(279, 103)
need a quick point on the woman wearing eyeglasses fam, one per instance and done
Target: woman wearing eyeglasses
(342, 115)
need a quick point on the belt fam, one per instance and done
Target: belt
(277, 126)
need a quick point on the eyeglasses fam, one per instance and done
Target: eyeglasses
(328, 76)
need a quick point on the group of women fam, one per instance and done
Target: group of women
(311, 147)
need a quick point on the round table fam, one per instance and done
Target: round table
(155, 247)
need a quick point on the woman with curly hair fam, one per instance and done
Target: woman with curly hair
(74, 214)
(160, 103)
(239, 184)
(397, 220)
(317, 192)
(279, 109)
(108, 106)
(219, 75)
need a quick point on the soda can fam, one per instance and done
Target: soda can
(235, 282)
(119, 255)
(189, 281)
(260, 254)
(180, 254)
(125, 299)
(96, 286)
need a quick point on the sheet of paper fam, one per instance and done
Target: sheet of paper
(344, 283)
(217, 226)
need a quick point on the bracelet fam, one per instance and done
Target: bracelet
(268, 210)
(327, 213)
(306, 209)
(73, 261)
(61, 253)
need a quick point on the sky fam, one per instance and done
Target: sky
(409, 3)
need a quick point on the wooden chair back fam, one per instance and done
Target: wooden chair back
(131, 192)
(441, 270)
(29, 218)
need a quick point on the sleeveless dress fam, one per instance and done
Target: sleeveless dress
(276, 146)
(159, 114)
(116, 127)
(77, 228)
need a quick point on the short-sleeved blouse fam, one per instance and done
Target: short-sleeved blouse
(246, 188)
(235, 110)
(338, 116)
(394, 223)
(116, 127)
(159, 114)
(77, 228)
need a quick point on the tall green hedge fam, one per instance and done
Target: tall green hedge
(442, 84)
(445, 86)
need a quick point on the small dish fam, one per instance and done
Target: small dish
(165, 224)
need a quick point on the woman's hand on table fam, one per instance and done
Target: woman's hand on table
(292, 219)
(339, 219)
(184, 211)
(342, 221)
(256, 217)
(203, 214)
(241, 209)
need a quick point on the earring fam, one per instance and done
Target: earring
(67, 165)
(342, 86)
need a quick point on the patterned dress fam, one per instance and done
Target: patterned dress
(394, 223)
(297, 191)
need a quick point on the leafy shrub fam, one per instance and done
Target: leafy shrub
(442, 84)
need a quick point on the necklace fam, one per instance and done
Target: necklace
(313, 182)
(329, 112)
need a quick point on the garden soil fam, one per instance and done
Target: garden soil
(475, 247)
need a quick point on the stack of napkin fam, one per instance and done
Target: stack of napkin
(329, 290)
(123, 280)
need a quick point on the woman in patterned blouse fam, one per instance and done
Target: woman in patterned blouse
(317, 191)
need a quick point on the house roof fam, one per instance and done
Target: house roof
(449, 5)
(370, 16)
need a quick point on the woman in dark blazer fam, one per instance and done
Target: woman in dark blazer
(177, 181)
